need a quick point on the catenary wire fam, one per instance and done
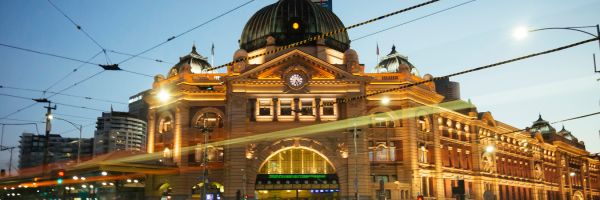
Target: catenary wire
(528, 128)
(72, 72)
(187, 31)
(77, 25)
(314, 38)
(463, 72)
(139, 56)
(62, 94)
(57, 103)
(68, 58)
(413, 20)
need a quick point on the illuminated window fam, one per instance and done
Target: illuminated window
(210, 119)
(285, 107)
(306, 107)
(166, 125)
(382, 120)
(297, 161)
(379, 151)
(328, 109)
(265, 107)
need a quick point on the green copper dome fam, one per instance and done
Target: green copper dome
(290, 21)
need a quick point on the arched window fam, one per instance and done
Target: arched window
(209, 119)
(382, 120)
(165, 125)
(297, 161)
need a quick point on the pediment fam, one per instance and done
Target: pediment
(276, 68)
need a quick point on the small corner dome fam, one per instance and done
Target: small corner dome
(194, 62)
(290, 21)
(395, 62)
(567, 134)
(542, 125)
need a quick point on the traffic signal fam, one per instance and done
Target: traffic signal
(60, 173)
(420, 197)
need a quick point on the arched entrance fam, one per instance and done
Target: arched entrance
(213, 191)
(297, 173)
(577, 195)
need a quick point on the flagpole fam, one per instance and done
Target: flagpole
(377, 57)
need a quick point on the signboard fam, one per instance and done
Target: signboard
(328, 4)
(297, 181)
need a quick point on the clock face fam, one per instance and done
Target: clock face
(296, 80)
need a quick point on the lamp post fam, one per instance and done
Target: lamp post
(522, 32)
(80, 128)
(206, 130)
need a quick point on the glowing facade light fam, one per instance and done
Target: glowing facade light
(75, 178)
(490, 149)
(82, 178)
(136, 181)
(163, 95)
(572, 174)
(385, 100)
(295, 25)
(520, 32)
(104, 173)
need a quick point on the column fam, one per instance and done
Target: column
(437, 156)
(151, 130)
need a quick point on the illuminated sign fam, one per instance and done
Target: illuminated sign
(297, 176)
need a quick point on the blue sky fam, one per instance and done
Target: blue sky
(558, 86)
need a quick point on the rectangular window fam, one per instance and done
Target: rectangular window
(386, 194)
(285, 107)
(264, 107)
(307, 107)
(328, 109)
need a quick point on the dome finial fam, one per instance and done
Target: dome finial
(194, 48)
(393, 50)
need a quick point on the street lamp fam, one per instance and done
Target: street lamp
(163, 95)
(490, 149)
(206, 129)
(522, 32)
(385, 101)
(78, 127)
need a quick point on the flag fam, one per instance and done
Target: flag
(212, 49)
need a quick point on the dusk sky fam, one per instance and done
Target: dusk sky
(559, 85)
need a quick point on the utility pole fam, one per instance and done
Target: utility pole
(49, 109)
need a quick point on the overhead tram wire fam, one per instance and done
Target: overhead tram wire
(528, 128)
(72, 72)
(62, 94)
(74, 129)
(413, 20)
(334, 32)
(187, 31)
(82, 30)
(113, 67)
(405, 86)
(139, 56)
(57, 103)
